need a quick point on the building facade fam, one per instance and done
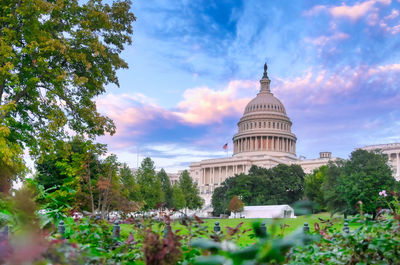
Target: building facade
(393, 153)
(264, 139)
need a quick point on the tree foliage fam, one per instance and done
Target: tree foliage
(236, 204)
(166, 188)
(282, 184)
(150, 185)
(331, 189)
(363, 177)
(190, 191)
(312, 186)
(129, 183)
(56, 57)
(178, 199)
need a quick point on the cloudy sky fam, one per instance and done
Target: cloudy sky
(194, 65)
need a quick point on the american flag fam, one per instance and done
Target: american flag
(225, 147)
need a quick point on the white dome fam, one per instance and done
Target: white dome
(264, 128)
(264, 101)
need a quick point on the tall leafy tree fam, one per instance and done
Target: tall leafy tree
(313, 186)
(71, 172)
(190, 191)
(12, 166)
(150, 185)
(364, 175)
(129, 183)
(108, 185)
(332, 191)
(178, 199)
(56, 57)
(166, 188)
(219, 200)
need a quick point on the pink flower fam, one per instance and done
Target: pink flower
(383, 193)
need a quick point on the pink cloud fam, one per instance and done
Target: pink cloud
(132, 114)
(318, 88)
(352, 12)
(395, 29)
(324, 40)
(204, 105)
(392, 15)
(126, 112)
(136, 115)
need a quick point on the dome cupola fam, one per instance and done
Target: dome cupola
(265, 128)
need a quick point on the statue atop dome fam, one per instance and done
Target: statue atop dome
(265, 71)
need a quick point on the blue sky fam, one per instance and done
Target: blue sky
(194, 65)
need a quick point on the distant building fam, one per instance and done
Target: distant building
(392, 151)
(264, 139)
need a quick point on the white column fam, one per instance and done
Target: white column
(398, 166)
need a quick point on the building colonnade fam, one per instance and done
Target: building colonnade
(397, 155)
(264, 143)
(212, 176)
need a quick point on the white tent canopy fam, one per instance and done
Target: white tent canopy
(265, 211)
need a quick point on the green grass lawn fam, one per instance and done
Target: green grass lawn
(283, 226)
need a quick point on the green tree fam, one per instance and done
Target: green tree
(313, 186)
(150, 185)
(12, 166)
(56, 57)
(331, 189)
(236, 204)
(364, 175)
(219, 200)
(178, 199)
(129, 183)
(108, 185)
(166, 188)
(282, 184)
(190, 191)
(71, 172)
(288, 183)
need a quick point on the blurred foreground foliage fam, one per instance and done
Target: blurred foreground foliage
(33, 238)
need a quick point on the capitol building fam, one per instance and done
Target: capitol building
(264, 138)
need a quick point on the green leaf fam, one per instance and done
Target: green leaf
(206, 244)
(210, 260)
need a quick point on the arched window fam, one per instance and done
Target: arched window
(259, 124)
(273, 125)
(251, 125)
(269, 124)
(264, 124)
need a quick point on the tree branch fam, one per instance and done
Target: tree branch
(20, 95)
(2, 90)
